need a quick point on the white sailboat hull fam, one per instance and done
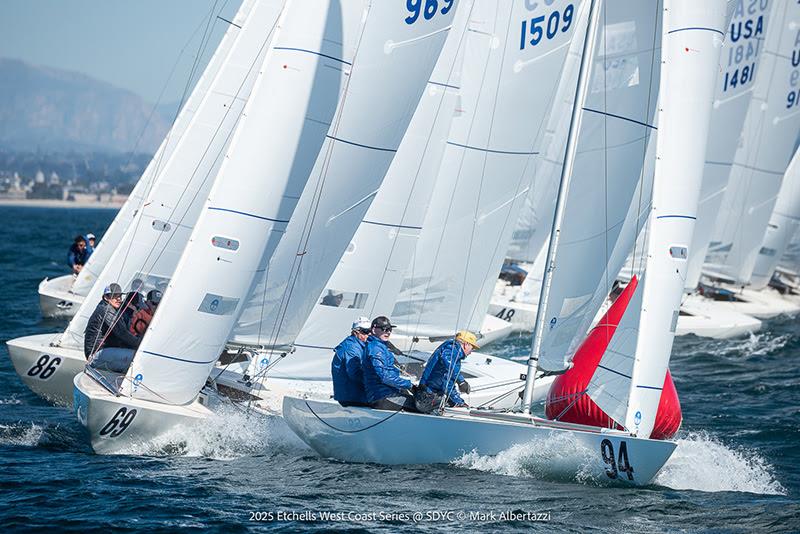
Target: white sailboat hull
(714, 319)
(387, 437)
(48, 371)
(492, 330)
(118, 424)
(762, 304)
(56, 299)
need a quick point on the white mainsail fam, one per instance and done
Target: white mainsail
(260, 203)
(354, 160)
(628, 382)
(508, 85)
(616, 125)
(126, 214)
(783, 224)
(153, 242)
(768, 143)
(740, 60)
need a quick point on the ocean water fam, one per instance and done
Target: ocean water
(736, 468)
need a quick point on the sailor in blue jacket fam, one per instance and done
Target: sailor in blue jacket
(348, 380)
(79, 253)
(443, 370)
(385, 388)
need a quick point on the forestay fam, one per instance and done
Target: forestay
(783, 225)
(153, 243)
(617, 123)
(740, 60)
(399, 49)
(125, 216)
(628, 382)
(514, 57)
(769, 135)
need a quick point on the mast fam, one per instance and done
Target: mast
(566, 174)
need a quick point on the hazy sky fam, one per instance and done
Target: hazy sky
(132, 44)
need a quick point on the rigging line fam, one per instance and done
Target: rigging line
(458, 175)
(203, 43)
(411, 190)
(605, 162)
(308, 224)
(483, 172)
(201, 159)
(373, 425)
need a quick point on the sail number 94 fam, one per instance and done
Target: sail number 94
(426, 8)
(618, 464)
(541, 27)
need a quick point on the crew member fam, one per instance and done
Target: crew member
(141, 319)
(348, 379)
(385, 388)
(106, 327)
(78, 254)
(443, 372)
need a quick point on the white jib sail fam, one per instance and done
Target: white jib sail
(399, 49)
(369, 275)
(514, 56)
(783, 225)
(612, 143)
(692, 40)
(124, 218)
(769, 135)
(152, 244)
(381, 51)
(739, 61)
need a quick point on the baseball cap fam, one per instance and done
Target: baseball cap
(382, 322)
(112, 289)
(90, 236)
(362, 323)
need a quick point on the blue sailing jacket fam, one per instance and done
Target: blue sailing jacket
(348, 380)
(381, 378)
(443, 370)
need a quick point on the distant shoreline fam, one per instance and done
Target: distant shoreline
(44, 203)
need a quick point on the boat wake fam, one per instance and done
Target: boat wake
(760, 344)
(703, 463)
(231, 433)
(21, 434)
(699, 463)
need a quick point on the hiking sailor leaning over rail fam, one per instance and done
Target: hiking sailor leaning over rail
(437, 387)
(106, 330)
(386, 389)
(346, 373)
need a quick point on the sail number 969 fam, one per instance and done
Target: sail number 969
(426, 8)
(545, 26)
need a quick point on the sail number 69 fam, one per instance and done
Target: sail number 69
(426, 8)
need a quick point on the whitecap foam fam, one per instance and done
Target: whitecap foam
(229, 434)
(759, 344)
(554, 457)
(21, 434)
(703, 463)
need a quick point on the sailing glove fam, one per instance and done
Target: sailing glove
(463, 387)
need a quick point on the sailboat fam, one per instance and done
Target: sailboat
(63, 295)
(336, 93)
(767, 146)
(690, 55)
(152, 242)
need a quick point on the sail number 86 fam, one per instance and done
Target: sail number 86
(426, 8)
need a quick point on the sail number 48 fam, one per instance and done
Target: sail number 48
(426, 8)
(619, 465)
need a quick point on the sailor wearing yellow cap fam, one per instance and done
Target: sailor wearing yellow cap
(443, 372)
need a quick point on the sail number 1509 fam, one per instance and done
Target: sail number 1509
(541, 27)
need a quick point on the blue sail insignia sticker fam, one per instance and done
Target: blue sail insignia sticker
(218, 305)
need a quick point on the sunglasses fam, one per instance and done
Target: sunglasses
(387, 329)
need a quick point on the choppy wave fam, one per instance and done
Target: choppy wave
(703, 463)
(21, 434)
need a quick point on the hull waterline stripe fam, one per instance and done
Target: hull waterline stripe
(620, 117)
(407, 227)
(613, 371)
(676, 217)
(250, 215)
(380, 149)
(177, 359)
(699, 28)
(311, 52)
(511, 152)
